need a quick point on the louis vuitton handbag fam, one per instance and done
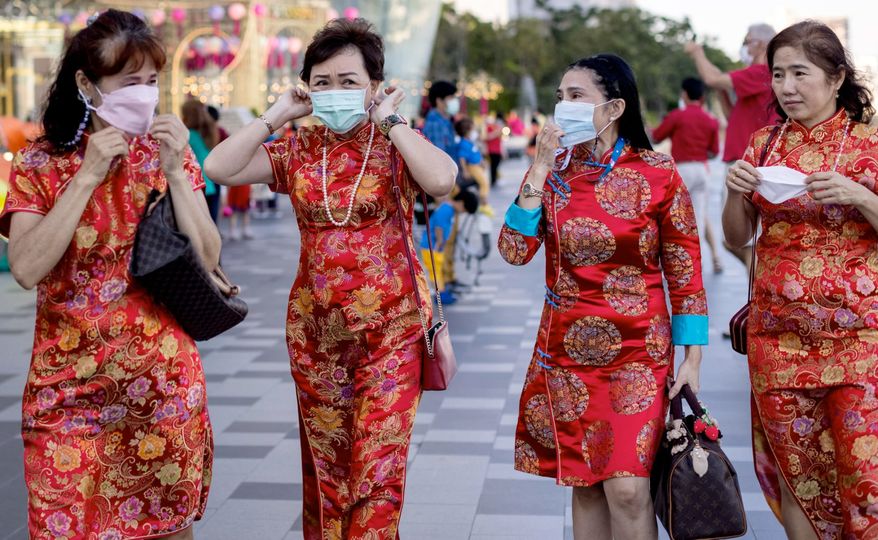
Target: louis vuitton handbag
(694, 486)
(439, 363)
(205, 304)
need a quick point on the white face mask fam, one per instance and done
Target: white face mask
(130, 108)
(452, 106)
(681, 104)
(576, 119)
(746, 57)
(340, 110)
(780, 184)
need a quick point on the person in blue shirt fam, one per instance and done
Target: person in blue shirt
(438, 127)
(470, 160)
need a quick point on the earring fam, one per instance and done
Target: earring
(82, 125)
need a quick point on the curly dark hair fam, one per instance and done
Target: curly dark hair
(615, 78)
(104, 47)
(341, 34)
(822, 47)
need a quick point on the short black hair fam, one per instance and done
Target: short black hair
(469, 199)
(342, 34)
(463, 126)
(693, 87)
(440, 90)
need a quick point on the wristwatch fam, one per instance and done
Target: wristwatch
(389, 121)
(528, 191)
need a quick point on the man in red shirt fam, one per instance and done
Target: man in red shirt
(694, 139)
(751, 108)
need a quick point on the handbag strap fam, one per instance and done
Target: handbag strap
(762, 158)
(397, 192)
(677, 403)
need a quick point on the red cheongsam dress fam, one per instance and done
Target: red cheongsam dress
(353, 331)
(594, 397)
(117, 441)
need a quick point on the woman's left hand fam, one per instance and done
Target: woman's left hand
(386, 102)
(689, 371)
(833, 188)
(174, 139)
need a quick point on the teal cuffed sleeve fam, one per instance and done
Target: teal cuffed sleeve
(689, 329)
(525, 221)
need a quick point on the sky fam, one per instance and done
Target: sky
(728, 26)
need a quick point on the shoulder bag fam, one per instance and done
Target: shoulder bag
(439, 364)
(738, 322)
(204, 303)
(694, 486)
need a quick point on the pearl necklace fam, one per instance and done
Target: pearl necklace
(350, 211)
(844, 140)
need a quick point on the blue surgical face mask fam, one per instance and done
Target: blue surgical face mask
(453, 106)
(340, 110)
(576, 119)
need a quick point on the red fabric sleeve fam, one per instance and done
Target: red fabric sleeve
(280, 153)
(517, 248)
(681, 250)
(193, 170)
(29, 186)
(750, 81)
(666, 128)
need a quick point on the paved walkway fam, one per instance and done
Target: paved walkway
(461, 483)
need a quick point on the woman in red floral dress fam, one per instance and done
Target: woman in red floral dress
(117, 442)
(354, 331)
(812, 336)
(615, 218)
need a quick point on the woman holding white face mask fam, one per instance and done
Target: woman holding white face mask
(353, 326)
(615, 218)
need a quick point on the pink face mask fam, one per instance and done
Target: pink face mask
(130, 108)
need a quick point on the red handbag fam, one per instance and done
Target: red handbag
(439, 365)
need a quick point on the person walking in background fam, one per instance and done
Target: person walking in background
(751, 108)
(616, 221)
(443, 222)
(812, 334)
(470, 158)
(494, 144)
(439, 122)
(203, 137)
(694, 138)
(117, 440)
(354, 330)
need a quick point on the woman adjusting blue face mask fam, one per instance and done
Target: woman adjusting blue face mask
(340, 110)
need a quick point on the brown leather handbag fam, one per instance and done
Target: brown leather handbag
(439, 364)
(738, 322)
(204, 303)
(694, 486)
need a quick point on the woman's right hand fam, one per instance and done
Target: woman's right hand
(102, 148)
(548, 140)
(742, 178)
(291, 105)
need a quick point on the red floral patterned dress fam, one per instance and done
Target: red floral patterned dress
(594, 397)
(117, 441)
(353, 331)
(813, 335)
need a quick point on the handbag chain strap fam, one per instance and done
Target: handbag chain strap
(397, 192)
(767, 150)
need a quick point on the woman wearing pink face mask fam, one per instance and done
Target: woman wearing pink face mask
(117, 441)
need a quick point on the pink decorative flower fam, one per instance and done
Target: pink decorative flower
(113, 413)
(46, 398)
(110, 534)
(138, 388)
(59, 524)
(113, 290)
(130, 509)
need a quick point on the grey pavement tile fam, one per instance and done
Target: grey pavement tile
(523, 497)
(455, 448)
(239, 451)
(280, 374)
(466, 419)
(248, 426)
(270, 491)
(215, 377)
(241, 401)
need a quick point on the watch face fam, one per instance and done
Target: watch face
(528, 189)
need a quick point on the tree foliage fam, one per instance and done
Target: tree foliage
(542, 48)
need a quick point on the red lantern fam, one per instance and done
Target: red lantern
(351, 12)
(260, 10)
(178, 15)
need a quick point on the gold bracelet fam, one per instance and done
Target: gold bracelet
(267, 123)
